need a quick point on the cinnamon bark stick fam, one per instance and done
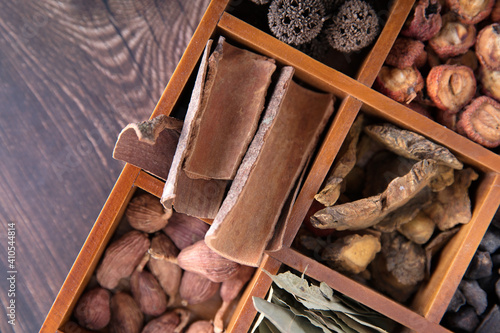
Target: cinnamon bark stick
(232, 102)
(195, 197)
(288, 132)
(149, 145)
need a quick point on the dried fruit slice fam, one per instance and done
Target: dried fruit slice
(490, 82)
(405, 52)
(425, 21)
(451, 87)
(480, 122)
(454, 38)
(401, 85)
(471, 11)
(488, 47)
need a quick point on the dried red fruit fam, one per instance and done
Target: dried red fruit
(471, 11)
(451, 87)
(405, 52)
(419, 108)
(401, 85)
(488, 47)
(447, 119)
(468, 59)
(495, 13)
(454, 38)
(490, 82)
(480, 122)
(425, 20)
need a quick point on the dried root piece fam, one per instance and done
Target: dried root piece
(346, 159)
(399, 267)
(401, 85)
(150, 144)
(121, 258)
(367, 212)
(480, 122)
(354, 27)
(411, 145)
(452, 205)
(424, 21)
(296, 22)
(444, 178)
(490, 82)
(146, 213)
(419, 230)
(451, 87)
(454, 38)
(436, 244)
(488, 47)
(351, 254)
(196, 289)
(471, 11)
(405, 52)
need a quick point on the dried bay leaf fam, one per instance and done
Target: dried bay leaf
(284, 319)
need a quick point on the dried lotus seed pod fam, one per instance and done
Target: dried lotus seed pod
(488, 47)
(471, 11)
(451, 87)
(425, 20)
(296, 22)
(354, 27)
(401, 85)
(454, 38)
(480, 122)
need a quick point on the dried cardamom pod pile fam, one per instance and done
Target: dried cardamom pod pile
(391, 200)
(157, 275)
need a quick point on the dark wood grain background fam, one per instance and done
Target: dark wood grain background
(73, 73)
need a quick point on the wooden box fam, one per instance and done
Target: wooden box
(354, 95)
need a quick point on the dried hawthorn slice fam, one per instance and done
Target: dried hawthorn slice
(451, 87)
(454, 38)
(471, 11)
(480, 122)
(401, 85)
(490, 82)
(495, 13)
(425, 20)
(447, 119)
(468, 59)
(405, 52)
(488, 47)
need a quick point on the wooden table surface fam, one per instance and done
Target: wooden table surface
(73, 73)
